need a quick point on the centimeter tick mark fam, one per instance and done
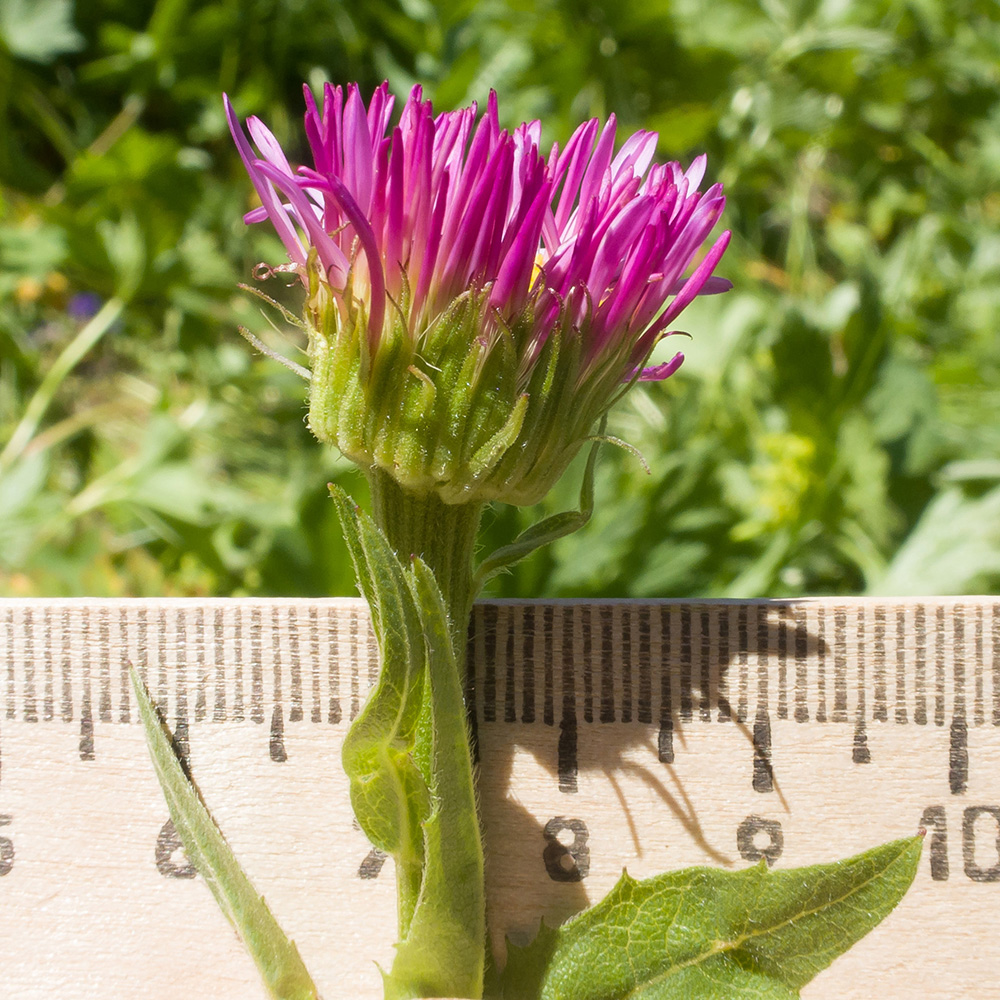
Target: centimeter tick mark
(555, 665)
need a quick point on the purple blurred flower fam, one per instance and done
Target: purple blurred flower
(83, 306)
(439, 205)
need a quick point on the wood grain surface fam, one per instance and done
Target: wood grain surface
(619, 734)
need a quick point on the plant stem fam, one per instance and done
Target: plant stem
(443, 536)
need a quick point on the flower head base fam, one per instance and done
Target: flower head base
(474, 306)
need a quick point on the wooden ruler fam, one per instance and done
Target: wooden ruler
(646, 735)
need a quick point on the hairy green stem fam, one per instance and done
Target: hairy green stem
(443, 536)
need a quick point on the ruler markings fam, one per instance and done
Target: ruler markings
(939, 654)
(782, 665)
(355, 678)
(11, 659)
(486, 641)
(507, 663)
(256, 668)
(621, 625)
(66, 690)
(821, 647)
(995, 661)
(78, 645)
(30, 705)
(566, 641)
(525, 654)
(180, 658)
(761, 644)
(331, 651)
(920, 666)
(800, 617)
(881, 711)
(684, 614)
(958, 737)
(978, 711)
(86, 745)
(292, 632)
(705, 662)
(645, 707)
(665, 735)
(367, 638)
(605, 617)
(839, 665)
(159, 657)
(901, 715)
(581, 622)
(201, 666)
(543, 652)
(742, 709)
(860, 751)
(219, 662)
(48, 698)
(722, 619)
(957, 658)
(274, 651)
(313, 661)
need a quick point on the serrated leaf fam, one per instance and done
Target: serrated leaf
(709, 933)
(276, 957)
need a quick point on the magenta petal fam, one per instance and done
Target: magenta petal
(713, 286)
(657, 373)
(270, 201)
(694, 284)
(329, 253)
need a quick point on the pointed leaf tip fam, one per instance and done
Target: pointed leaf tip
(714, 934)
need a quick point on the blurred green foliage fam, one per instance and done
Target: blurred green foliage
(834, 429)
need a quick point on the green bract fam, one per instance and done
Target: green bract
(454, 413)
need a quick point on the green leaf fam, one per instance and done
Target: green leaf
(389, 792)
(708, 933)
(545, 531)
(39, 30)
(408, 760)
(277, 958)
(443, 951)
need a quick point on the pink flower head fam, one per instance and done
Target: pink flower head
(456, 254)
(444, 204)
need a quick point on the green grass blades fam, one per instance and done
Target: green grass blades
(714, 935)
(277, 958)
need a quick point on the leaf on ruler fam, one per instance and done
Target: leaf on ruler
(442, 952)
(713, 934)
(389, 791)
(276, 957)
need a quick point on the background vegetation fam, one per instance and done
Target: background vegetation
(834, 430)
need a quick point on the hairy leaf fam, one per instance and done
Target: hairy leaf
(389, 792)
(276, 957)
(442, 953)
(407, 757)
(708, 933)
